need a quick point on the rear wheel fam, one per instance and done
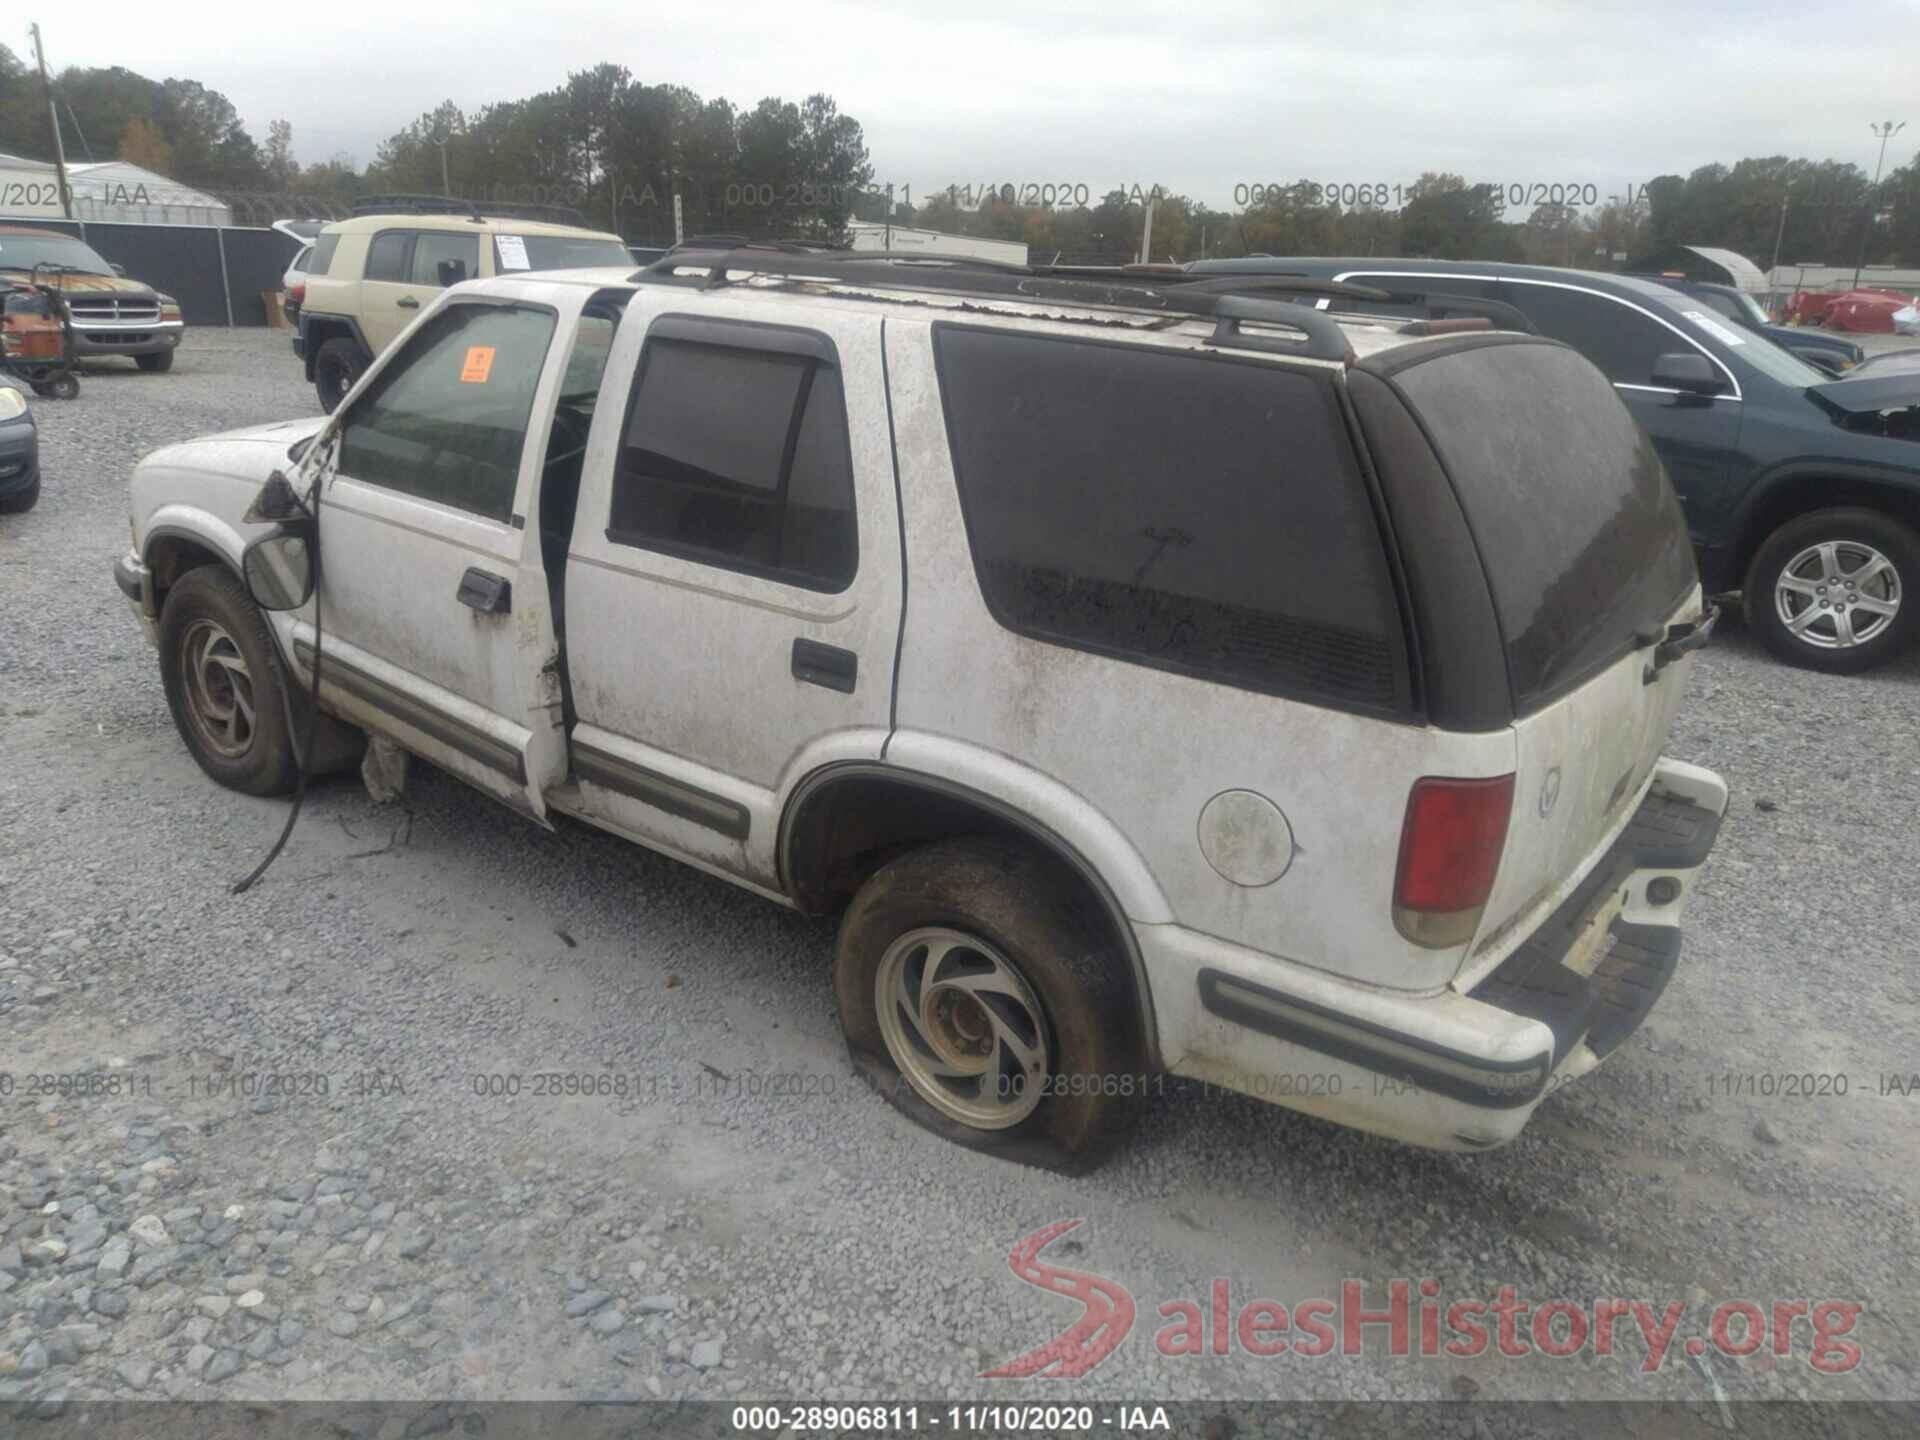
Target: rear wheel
(978, 991)
(1834, 590)
(336, 370)
(224, 683)
(155, 364)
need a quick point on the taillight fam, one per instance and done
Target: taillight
(1449, 852)
(297, 292)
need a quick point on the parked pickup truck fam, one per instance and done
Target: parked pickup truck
(1157, 677)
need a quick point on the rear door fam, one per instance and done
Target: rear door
(389, 299)
(1587, 562)
(734, 588)
(436, 624)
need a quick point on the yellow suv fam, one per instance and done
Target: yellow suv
(370, 276)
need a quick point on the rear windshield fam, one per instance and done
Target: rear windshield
(1583, 540)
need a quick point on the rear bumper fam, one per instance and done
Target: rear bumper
(1449, 1070)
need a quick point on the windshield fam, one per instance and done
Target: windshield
(558, 252)
(23, 252)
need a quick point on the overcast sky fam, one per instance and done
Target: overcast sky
(1199, 97)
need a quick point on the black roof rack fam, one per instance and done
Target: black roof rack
(1442, 306)
(1170, 290)
(471, 210)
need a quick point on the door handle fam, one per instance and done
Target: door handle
(407, 302)
(484, 591)
(827, 665)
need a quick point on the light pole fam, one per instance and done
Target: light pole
(1886, 130)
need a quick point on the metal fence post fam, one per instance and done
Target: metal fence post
(226, 285)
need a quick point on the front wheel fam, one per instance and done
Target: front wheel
(1833, 591)
(224, 683)
(156, 364)
(978, 992)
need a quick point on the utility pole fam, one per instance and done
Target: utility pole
(446, 185)
(1886, 131)
(1146, 234)
(59, 151)
(1778, 236)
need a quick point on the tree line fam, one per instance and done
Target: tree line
(619, 151)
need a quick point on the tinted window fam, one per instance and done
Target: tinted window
(431, 247)
(447, 420)
(321, 260)
(739, 457)
(387, 256)
(1186, 512)
(1582, 539)
(1620, 340)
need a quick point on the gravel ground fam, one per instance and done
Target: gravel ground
(402, 1236)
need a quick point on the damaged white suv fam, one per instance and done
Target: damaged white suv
(1159, 677)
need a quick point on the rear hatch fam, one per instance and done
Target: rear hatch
(1587, 563)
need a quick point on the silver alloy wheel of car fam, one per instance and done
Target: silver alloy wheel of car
(1837, 594)
(963, 1026)
(218, 688)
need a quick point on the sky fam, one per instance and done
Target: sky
(1202, 99)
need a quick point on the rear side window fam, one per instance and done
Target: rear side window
(739, 458)
(431, 247)
(1582, 539)
(1188, 512)
(321, 260)
(387, 256)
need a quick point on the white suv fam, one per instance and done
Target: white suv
(369, 277)
(1160, 678)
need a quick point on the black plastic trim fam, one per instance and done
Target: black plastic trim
(1269, 1012)
(825, 665)
(475, 744)
(662, 792)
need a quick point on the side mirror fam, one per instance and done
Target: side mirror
(451, 272)
(1688, 373)
(279, 571)
(276, 504)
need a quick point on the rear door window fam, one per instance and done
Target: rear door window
(1579, 531)
(1188, 512)
(739, 458)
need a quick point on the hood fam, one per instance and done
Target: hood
(91, 284)
(1870, 394)
(276, 432)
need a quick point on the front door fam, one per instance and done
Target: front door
(436, 625)
(733, 592)
(390, 300)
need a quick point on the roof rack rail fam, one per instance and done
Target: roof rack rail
(1223, 299)
(1442, 306)
(401, 204)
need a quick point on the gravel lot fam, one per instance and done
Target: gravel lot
(403, 1237)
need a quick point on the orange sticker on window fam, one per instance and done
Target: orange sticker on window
(479, 365)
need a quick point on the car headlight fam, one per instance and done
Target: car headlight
(12, 403)
(169, 308)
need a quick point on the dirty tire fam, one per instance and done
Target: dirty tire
(1856, 531)
(156, 364)
(336, 370)
(207, 610)
(1036, 915)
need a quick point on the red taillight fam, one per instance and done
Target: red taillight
(1449, 851)
(297, 292)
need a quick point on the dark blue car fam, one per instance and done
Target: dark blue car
(1802, 491)
(19, 453)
